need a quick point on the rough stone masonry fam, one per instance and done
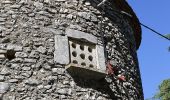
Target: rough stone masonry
(27, 45)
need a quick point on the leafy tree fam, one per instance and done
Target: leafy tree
(164, 87)
(164, 91)
(168, 36)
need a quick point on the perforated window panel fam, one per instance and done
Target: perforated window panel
(81, 54)
(84, 60)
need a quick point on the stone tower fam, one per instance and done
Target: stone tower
(59, 49)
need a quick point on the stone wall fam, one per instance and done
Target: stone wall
(27, 67)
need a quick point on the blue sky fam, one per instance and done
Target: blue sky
(154, 58)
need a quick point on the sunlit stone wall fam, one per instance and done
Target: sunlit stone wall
(27, 46)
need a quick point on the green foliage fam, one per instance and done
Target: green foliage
(164, 90)
(168, 36)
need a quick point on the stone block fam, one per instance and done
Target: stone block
(87, 57)
(61, 54)
(4, 87)
(14, 47)
(42, 49)
(28, 60)
(2, 56)
(5, 71)
(21, 55)
(3, 51)
(32, 82)
(2, 78)
(83, 54)
(100, 58)
(81, 35)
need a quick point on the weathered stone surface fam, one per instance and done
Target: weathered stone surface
(2, 56)
(4, 87)
(27, 60)
(38, 70)
(14, 47)
(101, 58)
(58, 71)
(26, 68)
(47, 67)
(42, 49)
(62, 91)
(3, 51)
(61, 54)
(5, 71)
(13, 80)
(34, 54)
(2, 78)
(21, 55)
(5, 40)
(81, 35)
(32, 82)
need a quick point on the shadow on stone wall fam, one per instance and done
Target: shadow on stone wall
(100, 85)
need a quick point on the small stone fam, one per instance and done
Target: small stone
(3, 51)
(2, 78)
(70, 16)
(87, 3)
(27, 60)
(15, 6)
(32, 82)
(72, 83)
(13, 80)
(21, 54)
(12, 98)
(58, 71)
(47, 87)
(5, 40)
(61, 0)
(47, 67)
(7, 2)
(40, 86)
(16, 60)
(2, 19)
(36, 27)
(26, 68)
(19, 77)
(5, 71)
(100, 98)
(4, 87)
(31, 14)
(2, 56)
(47, 1)
(84, 15)
(70, 92)
(42, 50)
(51, 40)
(16, 48)
(52, 11)
(39, 64)
(66, 82)
(27, 49)
(62, 91)
(26, 74)
(38, 5)
(66, 11)
(34, 54)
